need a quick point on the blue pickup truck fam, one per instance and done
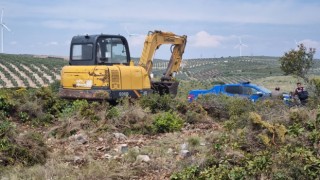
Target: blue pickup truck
(244, 89)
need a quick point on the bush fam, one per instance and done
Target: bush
(78, 107)
(298, 116)
(28, 149)
(223, 107)
(23, 116)
(6, 128)
(193, 117)
(6, 106)
(167, 122)
(193, 112)
(239, 106)
(216, 106)
(113, 113)
(49, 101)
(136, 121)
(194, 141)
(191, 172)
(156, 103)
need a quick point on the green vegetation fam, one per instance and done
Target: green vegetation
(298, 62)
(21, 70)
(42, 135)
(167, 122)
(203, 72)
(262, 140)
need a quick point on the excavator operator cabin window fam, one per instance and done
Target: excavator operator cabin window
(82, 51)
(111, 50)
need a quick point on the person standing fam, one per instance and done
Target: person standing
(301, 93)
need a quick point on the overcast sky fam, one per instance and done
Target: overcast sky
(213, 27)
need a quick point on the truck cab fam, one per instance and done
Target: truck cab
(243, 89)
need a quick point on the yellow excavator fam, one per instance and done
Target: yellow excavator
(100, 67)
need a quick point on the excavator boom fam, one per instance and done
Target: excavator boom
(153, 41)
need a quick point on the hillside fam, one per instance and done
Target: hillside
(34, 71)
(29, 71)
(44, 137)
(156, 137)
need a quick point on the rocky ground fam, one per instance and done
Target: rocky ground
(140, 156)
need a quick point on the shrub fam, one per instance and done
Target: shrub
(23, 116)
(191, 172)
(27, 149)
(193, 112)
(194, 141)
(193, 117)
(298, 116)
(30, 150)
(223, 107)
(167, 122)
(156, 103)
(113, 113)
(277, 130)
(49, 101)
(32, 108)
(216, 106)
(55, 86)
(259, 163)
(6, 128)
(5, 105)
(136, 121)
(239, 106)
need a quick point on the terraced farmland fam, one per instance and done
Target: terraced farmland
(228, 70)
(29, 71)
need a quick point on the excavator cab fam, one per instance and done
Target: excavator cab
(99, 50)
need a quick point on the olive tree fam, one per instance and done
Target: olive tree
(298, 62)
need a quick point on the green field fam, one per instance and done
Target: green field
(30, 71)
(156, 137)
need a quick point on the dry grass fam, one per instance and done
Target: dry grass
(163, 150)
(286, 83)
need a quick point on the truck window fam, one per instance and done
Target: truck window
(249, 90)
(82, 51)
(233, 89)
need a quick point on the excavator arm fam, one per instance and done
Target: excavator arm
(153, 41)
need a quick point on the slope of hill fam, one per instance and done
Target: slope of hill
(29, 71)
(155, 137)
(44, 137)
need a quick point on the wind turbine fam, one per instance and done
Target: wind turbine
(240, 45)
(3, 26)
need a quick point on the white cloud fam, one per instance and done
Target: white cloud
(13, 43)
(137, 41)
(310, 43)
(204, 39)
(74, 25)
(52, 43)
(272, 11)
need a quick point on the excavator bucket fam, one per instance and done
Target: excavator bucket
(166, 87)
